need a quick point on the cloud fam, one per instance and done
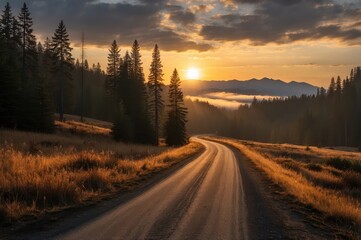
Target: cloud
(201, 8)
(281, 2)
(181, 25)
(184, 17)
(285, 21)
(103, 21)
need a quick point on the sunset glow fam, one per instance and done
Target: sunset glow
(193, 74)
(213, 35)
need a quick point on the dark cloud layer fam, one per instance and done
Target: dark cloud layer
(103, 22)
(184, 17)
(284, 21)
(269, 21)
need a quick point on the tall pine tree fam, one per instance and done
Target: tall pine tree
(35, 112)
(63, 65)
(24, 104)
(124, 84)
(139, 108)
(175, 126)
(112, 69)
(9, 72)
(123, 126)
(6, 23)
(155, 85)
(28, 47)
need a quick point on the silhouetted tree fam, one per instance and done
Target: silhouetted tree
(35, 107)
(332, 87)
(6, 24)
(86, 65)
(28, 46)
(139, 104)
(15, 33)
(61, 50)
(155, 85)
(175, 125)
(124, 85)
(112, 69)
(46, 67)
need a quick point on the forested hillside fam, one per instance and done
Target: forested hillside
(39, 79)
(331, 117)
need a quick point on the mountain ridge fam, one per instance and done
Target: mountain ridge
(263, 86)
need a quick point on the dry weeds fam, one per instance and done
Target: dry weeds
(327, 180)
(41, 173)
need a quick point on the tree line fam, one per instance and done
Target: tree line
(39, 79)
(332, 117)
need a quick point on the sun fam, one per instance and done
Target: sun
(193, 74)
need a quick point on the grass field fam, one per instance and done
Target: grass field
(43, 172)
(326, 180)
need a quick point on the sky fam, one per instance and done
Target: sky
(292, 40)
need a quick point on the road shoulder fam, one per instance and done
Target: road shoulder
(272, 214)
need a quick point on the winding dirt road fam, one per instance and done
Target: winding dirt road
(204, 200)
(216, 196)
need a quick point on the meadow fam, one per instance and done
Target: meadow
(326, 180)
(43, 173)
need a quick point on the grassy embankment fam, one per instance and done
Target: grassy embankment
(80, 163)
(327, 180)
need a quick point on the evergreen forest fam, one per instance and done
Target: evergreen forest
(39, 79)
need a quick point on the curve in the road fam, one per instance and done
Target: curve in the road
(202, 200)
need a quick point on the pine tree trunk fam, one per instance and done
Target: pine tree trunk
(61, 97)
(156, 116)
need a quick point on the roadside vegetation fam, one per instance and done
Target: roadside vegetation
(49, 172)
(326, 180)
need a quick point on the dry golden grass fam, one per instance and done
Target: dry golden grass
(41, 172)
(89, 121)
(68, 142)
(310, 177)
(31, 183)
(82, 128)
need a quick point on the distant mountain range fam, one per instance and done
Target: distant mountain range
(264, 86)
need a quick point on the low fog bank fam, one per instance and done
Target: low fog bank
(229, 100)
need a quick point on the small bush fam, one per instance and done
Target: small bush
(314, 167)
(127, 167)
(352, 180)
(356, 166)
(345, 165)
(82, 163)
(339, 163)
(95, 180)
(145, 167)
(289, 164)
(60, 192)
